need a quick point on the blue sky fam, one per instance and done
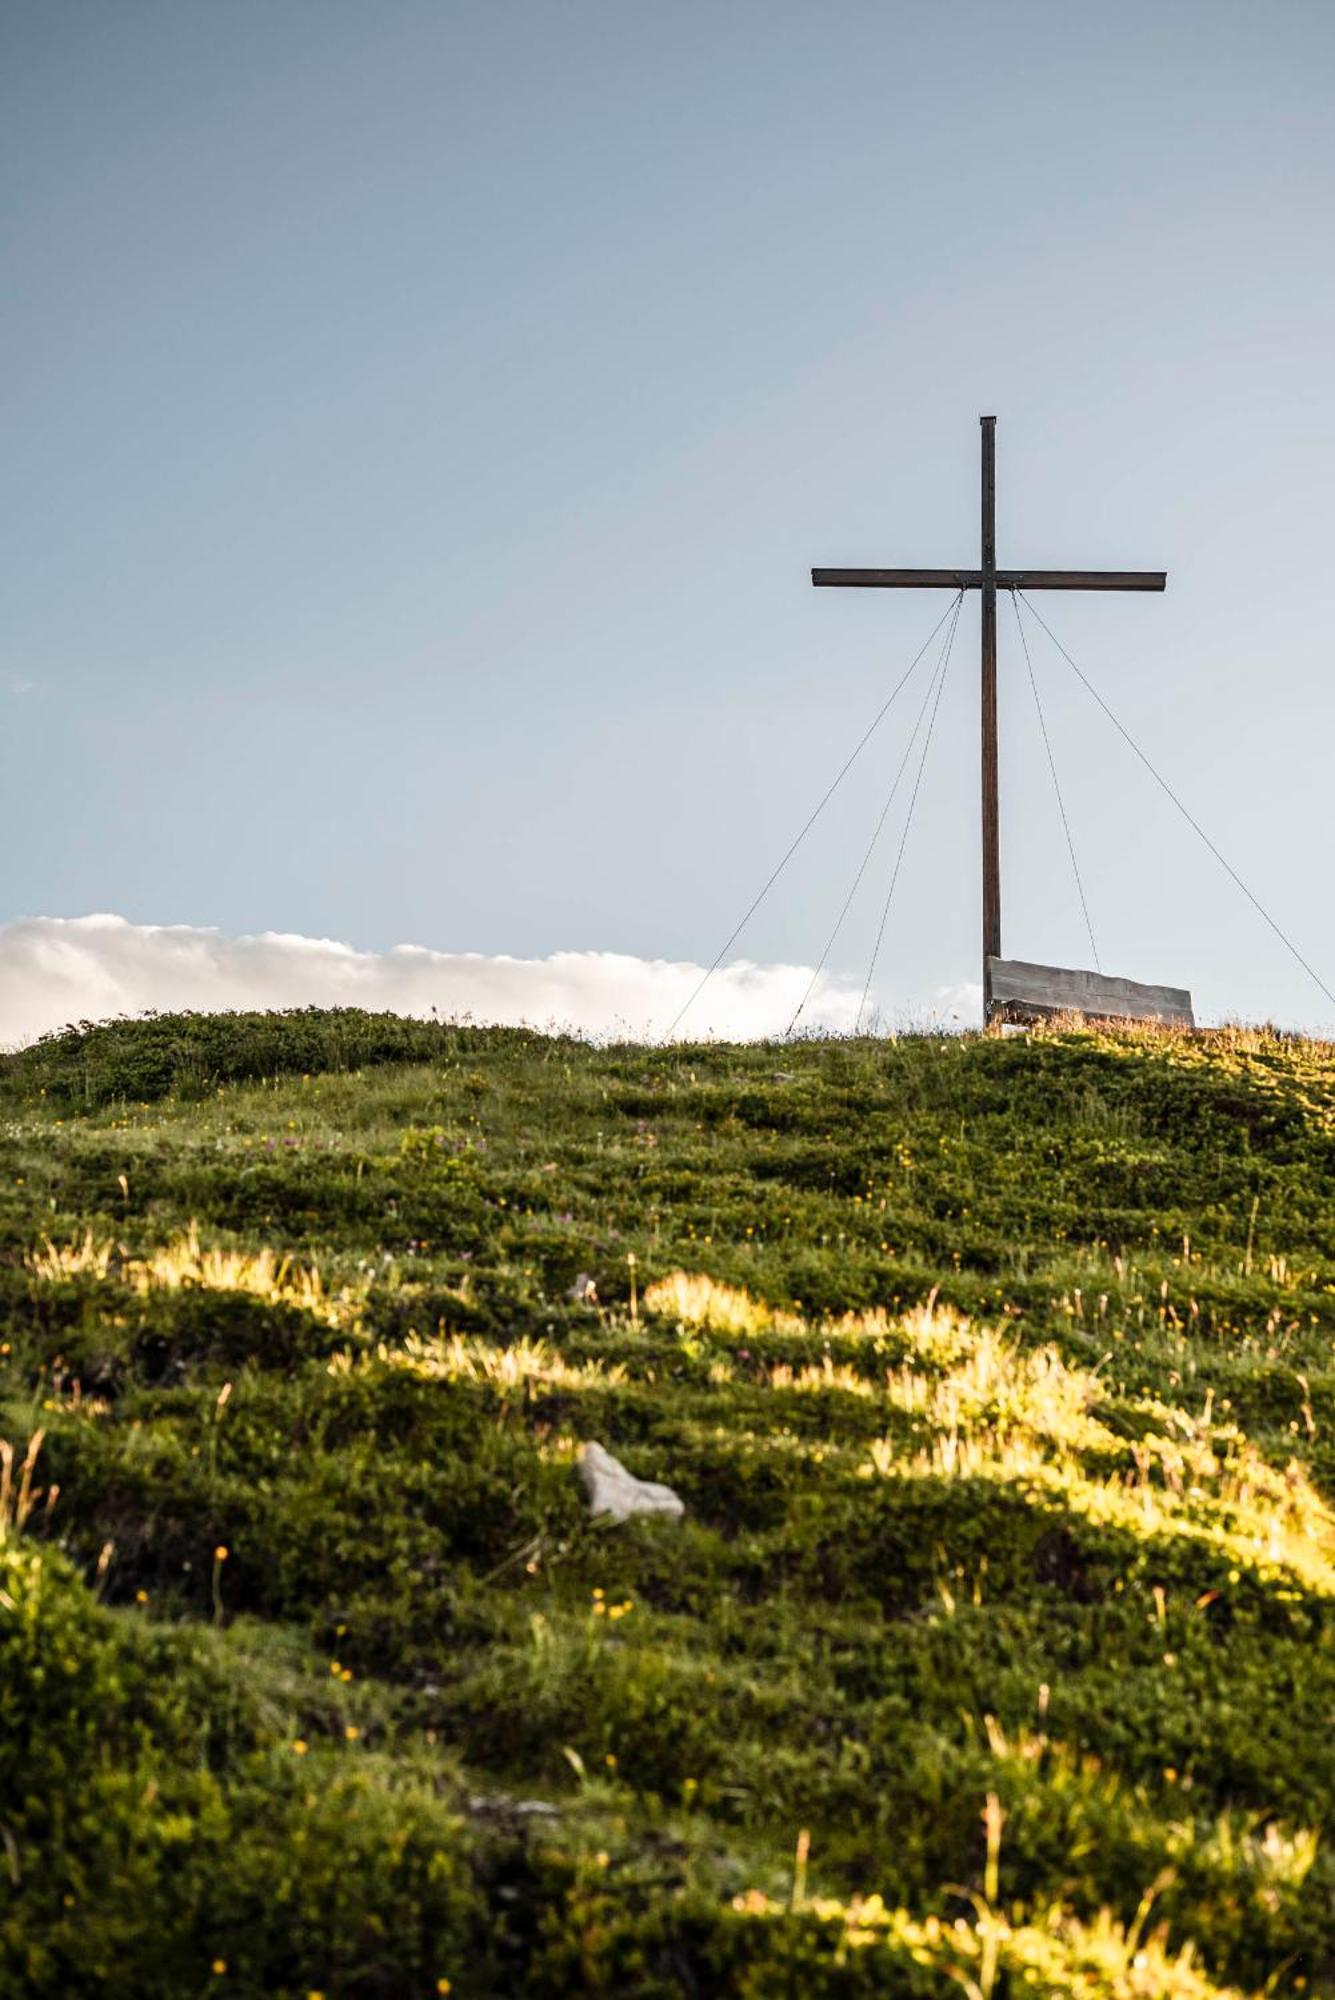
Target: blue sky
(420, 421)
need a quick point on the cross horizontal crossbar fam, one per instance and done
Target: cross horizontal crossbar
(1006, 579)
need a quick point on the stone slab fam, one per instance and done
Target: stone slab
(1034, 992)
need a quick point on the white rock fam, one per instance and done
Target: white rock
(503, 1808)
(612, 1490)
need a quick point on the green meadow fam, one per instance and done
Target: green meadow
(994, 1654)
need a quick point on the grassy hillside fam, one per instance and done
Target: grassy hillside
(996, 1649)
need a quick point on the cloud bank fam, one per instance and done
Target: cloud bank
(54, 970)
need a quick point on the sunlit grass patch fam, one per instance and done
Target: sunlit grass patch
(184, 1264)
(87, 1257)
(816, 1379)
(1029, 1418)
(1033, 1422)
(991, 1951)
(460, 1358)
(991, 1385)
(929, 1330)
(697, 1300)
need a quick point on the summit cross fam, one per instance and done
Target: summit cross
(989, 579)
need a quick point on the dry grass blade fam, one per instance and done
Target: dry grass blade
(17, 1503)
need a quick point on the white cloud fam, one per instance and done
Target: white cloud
(59, 969)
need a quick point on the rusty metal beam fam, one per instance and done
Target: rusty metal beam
(1007, 579)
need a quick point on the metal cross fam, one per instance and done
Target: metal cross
(989, 579)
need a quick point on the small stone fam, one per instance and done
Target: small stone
(503, 1808)
(610, 1489)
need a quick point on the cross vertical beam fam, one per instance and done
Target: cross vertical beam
(991, 804)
